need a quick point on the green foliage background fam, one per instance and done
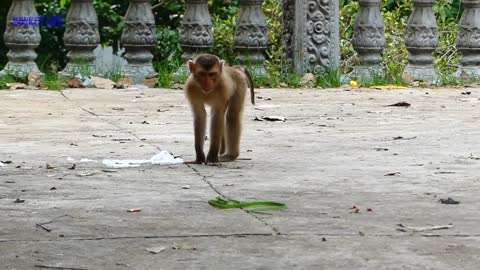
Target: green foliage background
(396, 13)
(52, 53)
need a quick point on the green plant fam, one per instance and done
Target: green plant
(52, 82)
(274, 12)
(7, 79)
(328, 78)
(223, 34)
(165, 73)
(113, 73)
(291, 79)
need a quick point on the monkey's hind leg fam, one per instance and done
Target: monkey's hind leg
(233, 132)
(222, 146)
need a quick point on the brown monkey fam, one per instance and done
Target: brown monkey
(223, 88)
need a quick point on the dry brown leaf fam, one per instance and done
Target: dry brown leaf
(102, 83)
(74, 83)
(150, 82)
(15, 86)
(124, 83)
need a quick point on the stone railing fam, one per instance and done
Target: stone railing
(82, 36)
(310, 37)
(250, 39)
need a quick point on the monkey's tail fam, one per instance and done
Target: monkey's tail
(250, 82)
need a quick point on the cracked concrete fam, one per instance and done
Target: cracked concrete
(337, 149)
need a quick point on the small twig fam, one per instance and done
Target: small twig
(58, 267)
(43, 227)
(48, 222)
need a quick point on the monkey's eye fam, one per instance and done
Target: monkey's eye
(212, 74)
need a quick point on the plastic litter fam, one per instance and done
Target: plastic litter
(162, 158)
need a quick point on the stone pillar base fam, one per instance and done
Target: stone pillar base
(253, 61)
(139, 72)
(76, 70)
(181, 74)
(468, 73)
(366, 73)
(20, 70)
(421, 73)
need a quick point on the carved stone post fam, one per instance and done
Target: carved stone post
(251, 36)
(138, 38)
(195, 33)
(422, 41)
(368, 40)
(311, 35)
(468, 40)
(21, 40)
(81, 37)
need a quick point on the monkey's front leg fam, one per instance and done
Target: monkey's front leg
(199, 127)
(217, 128)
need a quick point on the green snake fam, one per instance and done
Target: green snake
(229, 204)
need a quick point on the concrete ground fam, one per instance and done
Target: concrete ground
(349, 168)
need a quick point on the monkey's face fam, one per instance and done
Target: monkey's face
(206, 70)
(207, 79)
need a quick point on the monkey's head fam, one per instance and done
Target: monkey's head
(206, 70)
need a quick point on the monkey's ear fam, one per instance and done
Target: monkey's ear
(191, 66)
(222, 63)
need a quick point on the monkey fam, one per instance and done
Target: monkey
(211, 82)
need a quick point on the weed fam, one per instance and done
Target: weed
(382, 79)
(328, 78)
(113, 73)
(170, 71)
(7, 79)
(52, 82)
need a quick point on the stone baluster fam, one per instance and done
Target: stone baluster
(251, 37)
(21, 40)
(81, 37)
(311, 35)
(195, 33)
(422, 41)
(468, 41)
(138, 38)
(368, 40)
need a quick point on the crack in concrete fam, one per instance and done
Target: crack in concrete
(238, 235)
(108, 122)
(204, 179)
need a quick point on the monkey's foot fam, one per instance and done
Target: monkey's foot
(227, 157)
(215, 164)
(212, 160)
